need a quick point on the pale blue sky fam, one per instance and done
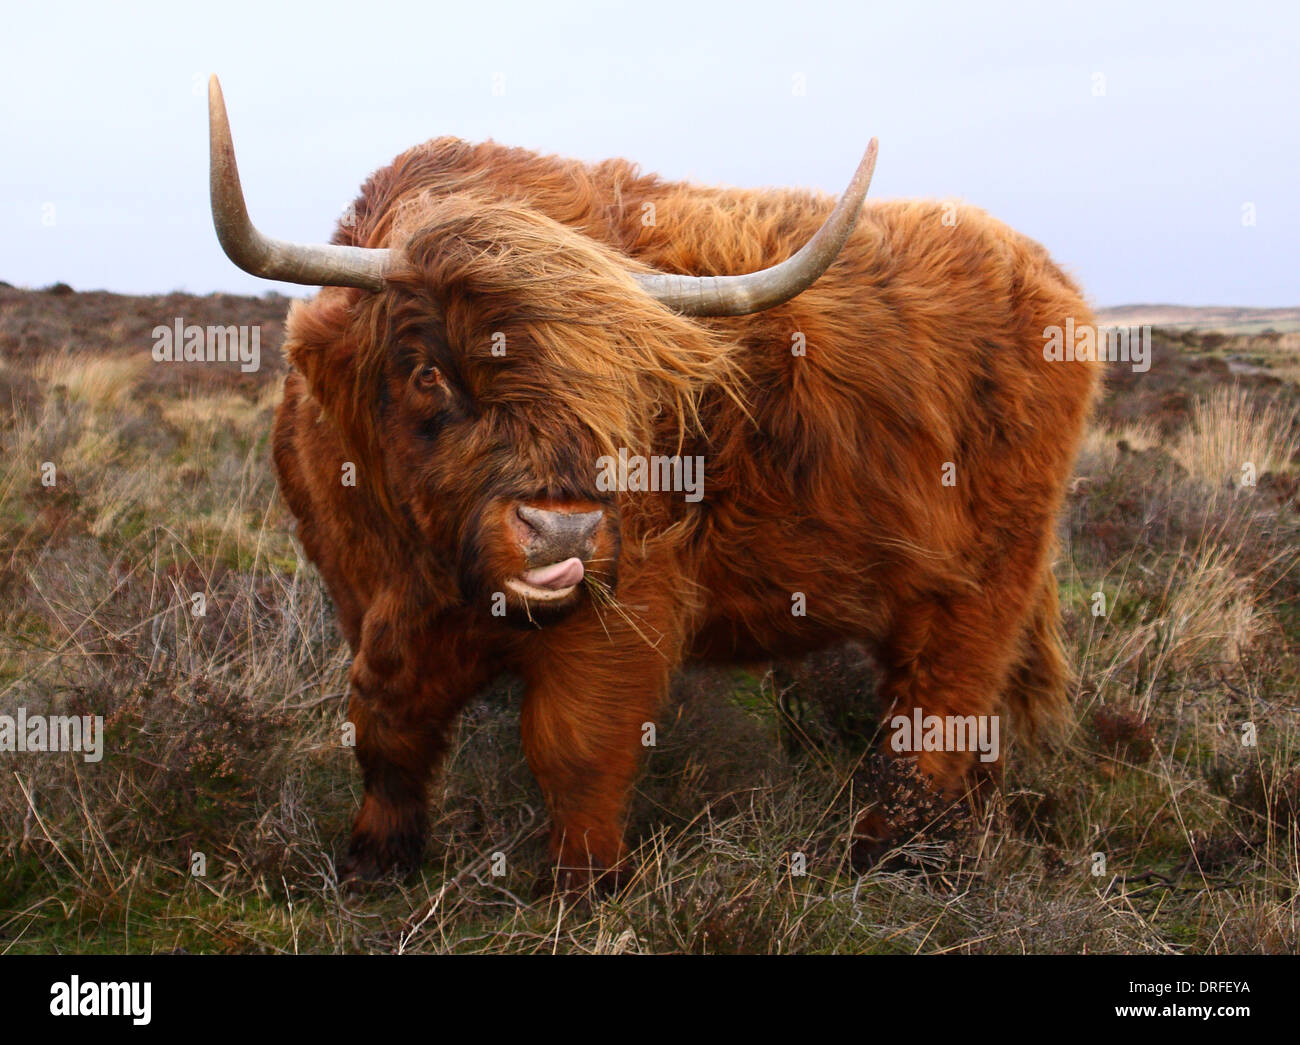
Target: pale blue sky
(1139, 190)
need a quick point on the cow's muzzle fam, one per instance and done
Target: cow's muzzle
(555, 545)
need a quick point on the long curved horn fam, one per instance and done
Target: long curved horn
(741, 295)
(323, 265)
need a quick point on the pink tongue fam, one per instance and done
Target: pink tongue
(558, 575)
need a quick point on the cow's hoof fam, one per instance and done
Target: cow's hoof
(370, 859)
(874, 845)
(934, 834)
(581, 885)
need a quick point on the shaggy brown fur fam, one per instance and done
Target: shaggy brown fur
(823, 471)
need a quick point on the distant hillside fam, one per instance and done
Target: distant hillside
(1224, 318)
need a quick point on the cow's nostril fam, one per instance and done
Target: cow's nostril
(526, 516)
(559, 534)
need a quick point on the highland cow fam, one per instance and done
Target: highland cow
(883, 446)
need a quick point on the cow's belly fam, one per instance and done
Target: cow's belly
(746, 619)
(736, 641)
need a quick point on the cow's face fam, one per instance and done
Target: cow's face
(494, 472)
(490, 377)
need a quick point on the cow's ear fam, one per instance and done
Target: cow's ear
(320, 345)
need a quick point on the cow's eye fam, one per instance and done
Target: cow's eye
(428, 377)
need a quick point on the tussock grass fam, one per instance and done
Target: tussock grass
(101, 382)
(1103, 447)
(1230, 429)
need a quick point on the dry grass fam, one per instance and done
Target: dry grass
(100, 382)
(224, 730)
(1230, 432)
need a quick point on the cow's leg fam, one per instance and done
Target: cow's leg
(588, 700)
(951, 659)
(1036, 691)
(583, 739)
(397, 747)
(404, 699)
